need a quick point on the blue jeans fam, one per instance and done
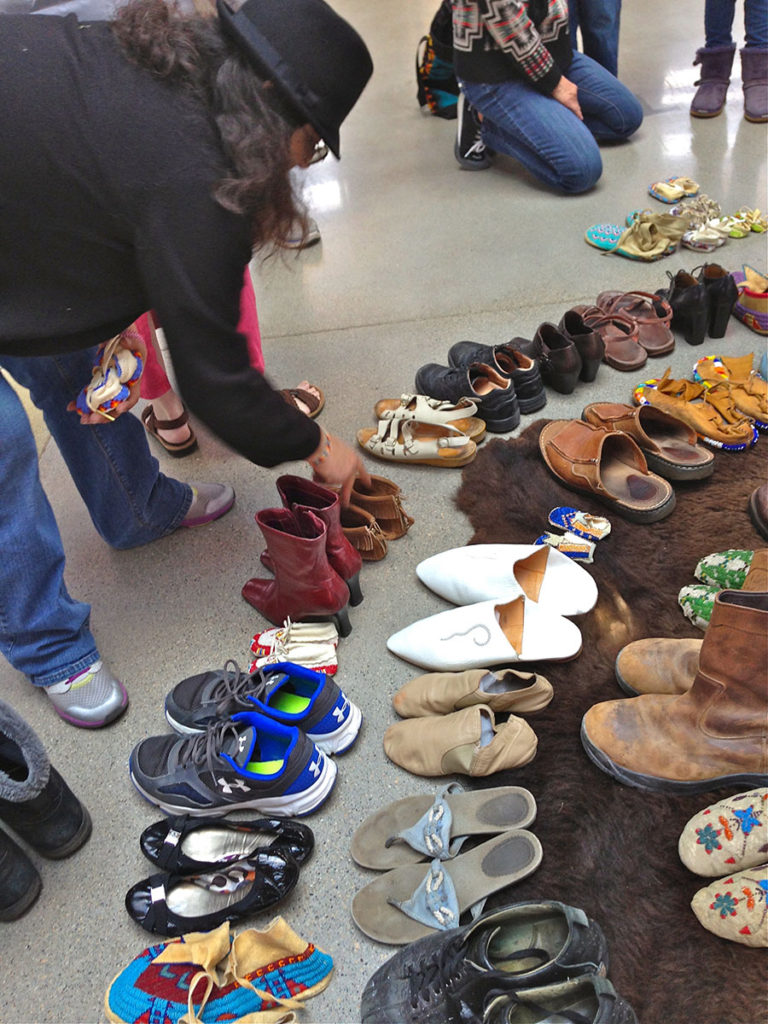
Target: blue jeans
(547, 138)
(44, 632)
(599, 24)
(718, 22)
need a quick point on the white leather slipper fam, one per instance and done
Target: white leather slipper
(486, 572)
(485, 634)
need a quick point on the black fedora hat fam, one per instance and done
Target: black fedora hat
(312, 55)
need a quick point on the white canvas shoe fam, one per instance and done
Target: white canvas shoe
(487, 572)
(485, 634)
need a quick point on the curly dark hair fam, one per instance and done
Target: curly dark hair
(191, 52)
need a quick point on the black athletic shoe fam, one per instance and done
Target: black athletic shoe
(469, 148)
(244, 763)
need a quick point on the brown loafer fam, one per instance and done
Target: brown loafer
(669, 445)
(607, 465)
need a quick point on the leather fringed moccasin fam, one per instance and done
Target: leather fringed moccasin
(607, 465)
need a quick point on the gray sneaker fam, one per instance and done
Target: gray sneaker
(90, 699)
(209, 501)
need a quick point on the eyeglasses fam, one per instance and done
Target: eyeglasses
(320, 152)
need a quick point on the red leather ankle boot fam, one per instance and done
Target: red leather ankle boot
(305, 585)
(298, 492)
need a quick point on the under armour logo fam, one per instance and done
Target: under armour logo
(340, 713)
(316, 766)
(237, 784)
(241, 743)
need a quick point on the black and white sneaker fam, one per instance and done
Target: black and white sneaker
(244, 763)
(469, 148)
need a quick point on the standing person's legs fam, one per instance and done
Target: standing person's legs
(756, 24)
(44, 632)
(599, 23)
(130, 501)
(249, 322)
(718, 21)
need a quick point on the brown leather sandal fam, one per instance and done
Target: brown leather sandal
(313, 403)
(651, 314)
(607, 465)
(152, 425)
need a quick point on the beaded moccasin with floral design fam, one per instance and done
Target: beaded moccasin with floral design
(725, 569)
(736, 907)
(727, 836)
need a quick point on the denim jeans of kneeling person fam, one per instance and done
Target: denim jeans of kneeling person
(546, 137)
(44, 632)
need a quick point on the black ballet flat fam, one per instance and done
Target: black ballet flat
(186, 845)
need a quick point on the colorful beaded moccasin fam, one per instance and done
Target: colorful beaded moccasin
(731, 835)
(583, 524)
(736, 907)
(206, 977)
(577, 548)
(710, 411)
(725, 569)
(752, 304)
(697, 602)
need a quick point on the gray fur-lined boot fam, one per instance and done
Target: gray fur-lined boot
(754, 82)
(716, 63)
(34, 799)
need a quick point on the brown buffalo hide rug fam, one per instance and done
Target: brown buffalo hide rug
(608, 848)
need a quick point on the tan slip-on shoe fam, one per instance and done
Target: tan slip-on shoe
(439, 693)
(468, 742)
(658, 665)
(731, 835)
(736, 907)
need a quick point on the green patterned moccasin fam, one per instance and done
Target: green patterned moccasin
(697, 602)
(726, 570)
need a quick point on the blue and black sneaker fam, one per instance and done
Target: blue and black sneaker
(245, 763)
(287, 693)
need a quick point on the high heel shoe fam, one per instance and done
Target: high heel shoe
(722, 292)
(305, 586)
(558, 358)
(690, 305)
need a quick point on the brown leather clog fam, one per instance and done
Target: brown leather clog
(669, 445)
(607, 465)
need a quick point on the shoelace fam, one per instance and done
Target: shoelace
(431, 975)
(204, 747)
(236, 686)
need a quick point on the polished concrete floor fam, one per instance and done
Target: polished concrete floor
(415, 256)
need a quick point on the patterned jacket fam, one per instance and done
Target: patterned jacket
(495, 40)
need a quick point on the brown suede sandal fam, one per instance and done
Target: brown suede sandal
(312, 402)
(152, 425)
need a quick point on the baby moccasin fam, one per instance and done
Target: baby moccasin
(438, 693)
(725, 569)
(468, 742)
(731, 835)
(172, 904)
(736, 907)
(482, 572)
(189, 845)
(419, 827)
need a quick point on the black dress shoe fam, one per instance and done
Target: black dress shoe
(510, 362)
(493, 393)
(722, 293)
(558, 358)
(690, 306)
(588, 342)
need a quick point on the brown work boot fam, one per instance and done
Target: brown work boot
(658, 665)
(714, 735)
